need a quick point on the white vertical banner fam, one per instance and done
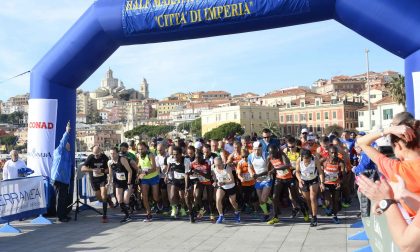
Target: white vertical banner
(42, 118)
(416, 91)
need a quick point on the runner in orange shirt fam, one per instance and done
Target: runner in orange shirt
(247, 181)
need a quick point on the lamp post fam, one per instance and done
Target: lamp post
(368, 86)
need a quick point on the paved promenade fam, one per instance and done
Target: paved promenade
(88, 234)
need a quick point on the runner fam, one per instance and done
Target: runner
(200, 180)
(120, 174)
(309, 174)
(178, 166)
(334, 170)
(347, 183)
(225, 184)
(322, 152)
(263, 184)
(97, 165)
(132, 161)
(149, 176)
(208, 155)
(279, 164)
(247, 181)
(162, 168)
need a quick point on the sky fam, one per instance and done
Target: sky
(256, 62)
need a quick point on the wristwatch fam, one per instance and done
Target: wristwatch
(386, 203)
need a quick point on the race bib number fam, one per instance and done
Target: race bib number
(121, 176)
(309, 175)
(145, 169)
(178, 175)
(247, 176)
(203, 179)
(293, 164)
(98, 173)
(331, 177)
(283, 172)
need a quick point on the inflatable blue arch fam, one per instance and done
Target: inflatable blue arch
(109, 24)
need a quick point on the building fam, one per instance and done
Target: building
(137, 111)
(144, 89)
(18, 103)
(339, 84)
(284, 96)
(84, 103)
(251, 117)
(317, 113)
(167, 106)
(104, 138)
(383, 111)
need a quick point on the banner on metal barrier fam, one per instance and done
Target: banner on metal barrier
(42, 117)
(142, 16)
(18, 196)
(416, 89)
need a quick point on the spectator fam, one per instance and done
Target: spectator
(12, 166)
(405, 142)
(61, 171)
(385, 195)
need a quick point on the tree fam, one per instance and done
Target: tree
(224, 130)
(146, 131)
(334, 128)
(273, 127)
(397, 89)
(194, 127)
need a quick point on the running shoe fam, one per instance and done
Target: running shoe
(192, 218)
(148, 218)
(306, 217)
(336, 220)
(220, 219)
(183, 213)
(174, 212)
(237, 217)
(201, 213)
(125, 220)
(212, 218)
(345, 205)
(295, 211)
(314, 222)
(273, 221)
(104, 219)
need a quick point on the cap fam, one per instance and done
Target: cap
(198, 145)
(305, 130)
(361, 133)
(256, 145)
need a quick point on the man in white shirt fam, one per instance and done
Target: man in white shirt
(12, 166)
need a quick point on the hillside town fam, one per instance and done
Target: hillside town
(103, 115)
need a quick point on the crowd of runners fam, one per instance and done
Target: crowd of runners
(235, 175)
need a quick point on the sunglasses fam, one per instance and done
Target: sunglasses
(266, 137)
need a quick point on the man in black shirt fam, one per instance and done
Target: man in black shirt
(97, 166)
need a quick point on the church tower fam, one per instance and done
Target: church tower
(144, 89)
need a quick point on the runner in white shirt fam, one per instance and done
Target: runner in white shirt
(160, 164)
(12, 166)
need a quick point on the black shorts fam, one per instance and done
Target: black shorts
(331, 187)
(229, 192)
(162, 184)
(192, 183)
(308, 183)
(178, 183)
(98, 182)
(250, 193)
(121, 184)
(286, 182)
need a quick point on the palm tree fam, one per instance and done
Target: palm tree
(397, 89)
(273, 127)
